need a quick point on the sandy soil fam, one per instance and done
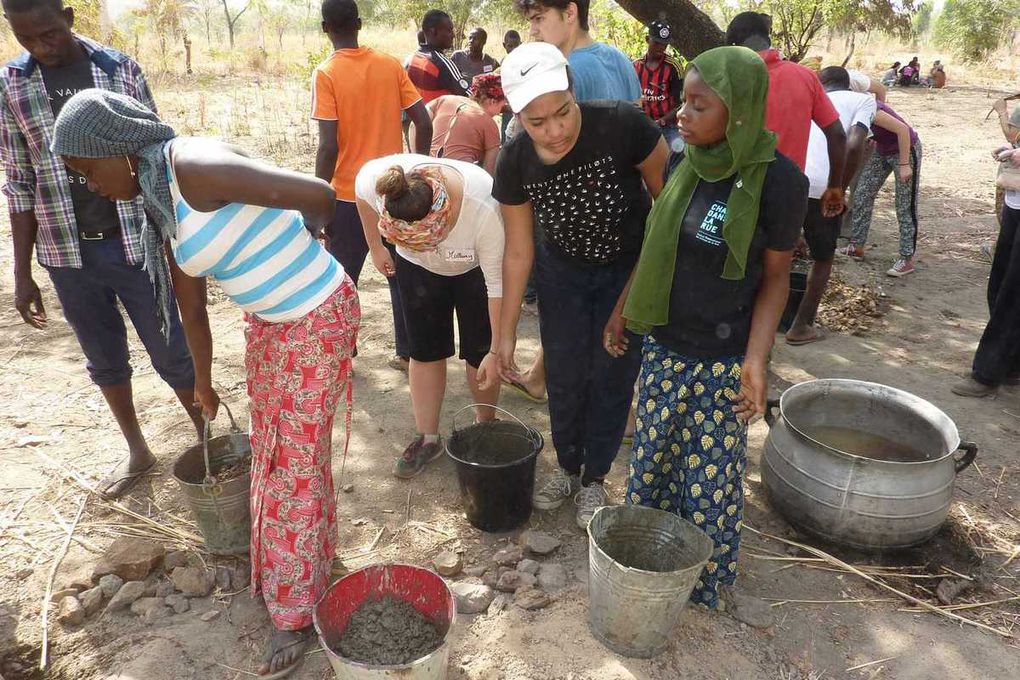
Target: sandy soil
(50, 411)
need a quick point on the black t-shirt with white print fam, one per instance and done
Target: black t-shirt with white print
(709, 316)
(92, 212)
(591, 205)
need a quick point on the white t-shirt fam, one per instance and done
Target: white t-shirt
(859, 82)
(854, 109)
(476, 240)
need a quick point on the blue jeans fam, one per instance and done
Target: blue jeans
(89, 298)
(589, 391)
(348, 245)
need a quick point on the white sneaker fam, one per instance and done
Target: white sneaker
(589, 499)
(560, 486)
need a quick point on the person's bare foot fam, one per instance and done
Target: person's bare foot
(804, 335)
(138, 464)
(284, 651)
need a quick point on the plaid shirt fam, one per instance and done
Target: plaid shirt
(36, 178)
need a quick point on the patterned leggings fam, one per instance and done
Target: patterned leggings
(872, 177)
(690, 452)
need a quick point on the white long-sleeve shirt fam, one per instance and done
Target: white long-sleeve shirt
(476, 240)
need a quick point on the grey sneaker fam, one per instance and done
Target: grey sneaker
(589, 499)
(969, 387)
(416, 456)
(558, 487)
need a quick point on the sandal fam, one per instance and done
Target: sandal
(302, 643)
(131, 479)
(520, 388)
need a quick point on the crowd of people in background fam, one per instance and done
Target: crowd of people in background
(647, 210)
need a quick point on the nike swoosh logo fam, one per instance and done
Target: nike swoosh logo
(524, 71)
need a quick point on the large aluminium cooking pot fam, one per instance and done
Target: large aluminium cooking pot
(861, 464)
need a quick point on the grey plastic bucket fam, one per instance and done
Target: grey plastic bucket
(642, 566)
(221, 510)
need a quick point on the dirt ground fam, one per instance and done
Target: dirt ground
(52, 418)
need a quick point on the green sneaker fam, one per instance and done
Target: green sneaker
(416, 456)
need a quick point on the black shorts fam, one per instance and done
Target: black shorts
(429, 303)
(820, 231)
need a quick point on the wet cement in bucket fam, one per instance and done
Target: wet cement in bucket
(864, 444)
(493, 443)
(648, 555)
(388, 631)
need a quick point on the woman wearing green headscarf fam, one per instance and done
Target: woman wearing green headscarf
(722, 234)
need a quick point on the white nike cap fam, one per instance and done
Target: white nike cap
(531, 70)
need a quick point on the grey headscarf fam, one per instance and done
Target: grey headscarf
(102, 124)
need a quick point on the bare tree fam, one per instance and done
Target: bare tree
(232, 19)
(208, 7)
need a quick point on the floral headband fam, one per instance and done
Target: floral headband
(427, 233)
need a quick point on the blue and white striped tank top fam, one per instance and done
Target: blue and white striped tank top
(263, 258)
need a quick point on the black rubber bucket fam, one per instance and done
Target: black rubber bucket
(798, 284)
(495, 470)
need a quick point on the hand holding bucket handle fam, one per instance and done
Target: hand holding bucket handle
(970, 450)
(206, 427)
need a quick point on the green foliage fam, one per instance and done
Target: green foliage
(922, 20)
(610, 23)
(973, 28)
(87, 15)
(463, 12)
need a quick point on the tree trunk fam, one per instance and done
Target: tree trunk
(187, 54)
(693, 30)
(853, 46)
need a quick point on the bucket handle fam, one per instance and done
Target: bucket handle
(207, 426)
(970, 450)
(492, 406)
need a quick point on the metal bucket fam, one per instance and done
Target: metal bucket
(222, 510)
(424, 589)
(632, 610)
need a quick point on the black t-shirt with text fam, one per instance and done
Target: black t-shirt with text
(591, 205)
(709, 316)
(92, 212)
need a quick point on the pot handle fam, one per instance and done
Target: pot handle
(771, 408)
(970, 453)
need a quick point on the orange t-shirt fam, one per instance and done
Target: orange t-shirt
(474, 131)
(364, 91)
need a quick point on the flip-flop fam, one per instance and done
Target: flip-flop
(306, 642)
(130, 477)
(818, 336)
(518, 386)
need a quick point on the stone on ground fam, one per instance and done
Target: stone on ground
(746, 608)
(448, 563)
(193, 581)
(210, 615)
(508, 556)
(157, 613)
(165, 588)
(223, 578)
(511, 581)
(91, 600)
(177, 558)
(71, 613)
(128, 593)
(472, 598)
(532, 598)
(477, 571)
(64, 592)
(552, 576)
(539, 542)
(240, 576)
(178, 602)
(528, 566)
(110, 584)
(130, 558)
(142, 605)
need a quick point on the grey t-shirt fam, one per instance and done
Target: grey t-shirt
(92, 212)
(469, 68)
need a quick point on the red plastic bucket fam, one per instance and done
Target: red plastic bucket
(423, 588)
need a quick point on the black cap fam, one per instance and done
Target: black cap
(660, 32)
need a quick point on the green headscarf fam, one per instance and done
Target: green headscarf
(739, 77)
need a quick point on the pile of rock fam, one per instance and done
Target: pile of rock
(511, 572)
(139, 576)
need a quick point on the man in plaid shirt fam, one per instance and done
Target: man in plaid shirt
(87, 243)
